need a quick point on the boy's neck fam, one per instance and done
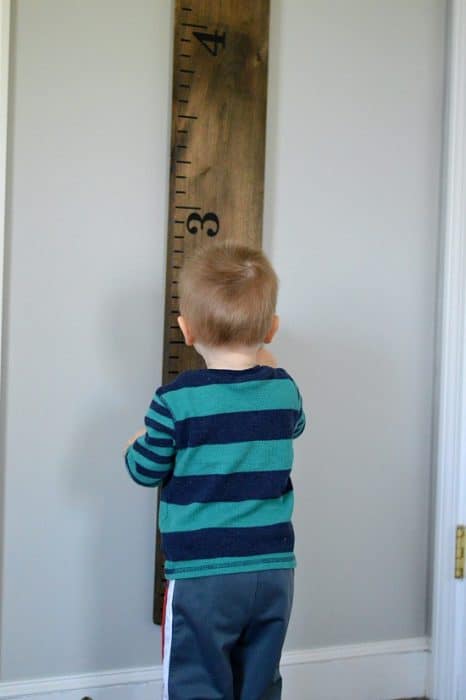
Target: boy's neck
(240, 357)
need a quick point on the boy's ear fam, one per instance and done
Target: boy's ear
(185, 329)
(273, 329)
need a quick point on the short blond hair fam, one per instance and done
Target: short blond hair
(228, 294)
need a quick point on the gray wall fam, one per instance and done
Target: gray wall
(352, 186)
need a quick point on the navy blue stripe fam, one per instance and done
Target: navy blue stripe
(228, 542)
(212, 488)
(161, 410)
(201, 377)
(158, 442)
(150, 423)
(151, 473)
(241, 426)
(151, 455)
(131, 473)
(133, 476)
(299, 427)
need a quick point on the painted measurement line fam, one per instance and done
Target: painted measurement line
(184, 102)
(187, 70)
(180, 191)
(181, 177)
(196, 26)
(177, 221)
(186, 116)
(184, 85)
(185, 207)
(185, 55)
(180, 145)
(188, 41)
(187, 9)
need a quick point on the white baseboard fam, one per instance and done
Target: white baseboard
(374, 671)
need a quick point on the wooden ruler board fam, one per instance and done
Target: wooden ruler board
(217, 152)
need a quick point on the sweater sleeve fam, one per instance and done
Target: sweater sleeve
(150, 459)
(301, 419)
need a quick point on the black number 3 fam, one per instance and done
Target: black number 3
(196, 222)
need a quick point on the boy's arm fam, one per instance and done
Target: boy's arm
(264, 357)
(301, 419)
(137, 435)
(150, 454)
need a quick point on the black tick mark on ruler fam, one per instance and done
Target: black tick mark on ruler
(196, 26)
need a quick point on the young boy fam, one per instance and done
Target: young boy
(219, 442)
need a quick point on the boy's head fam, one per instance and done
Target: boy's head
(228, 294)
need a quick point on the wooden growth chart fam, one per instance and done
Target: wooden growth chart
(217, 152)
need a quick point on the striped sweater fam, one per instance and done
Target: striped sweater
(220, 444)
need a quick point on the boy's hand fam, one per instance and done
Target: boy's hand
(264, 357)
(139, 434)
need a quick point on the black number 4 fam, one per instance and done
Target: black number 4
(211, 41)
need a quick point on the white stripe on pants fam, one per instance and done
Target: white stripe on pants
(167, 636)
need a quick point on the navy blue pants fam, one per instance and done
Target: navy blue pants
(223, 636)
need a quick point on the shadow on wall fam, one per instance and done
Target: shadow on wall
(116, 518)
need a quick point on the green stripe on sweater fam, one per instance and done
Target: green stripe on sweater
(254, 513)
(229, 565)
(235, 457)
(229, 398)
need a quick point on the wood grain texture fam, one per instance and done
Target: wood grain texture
(217, 160)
